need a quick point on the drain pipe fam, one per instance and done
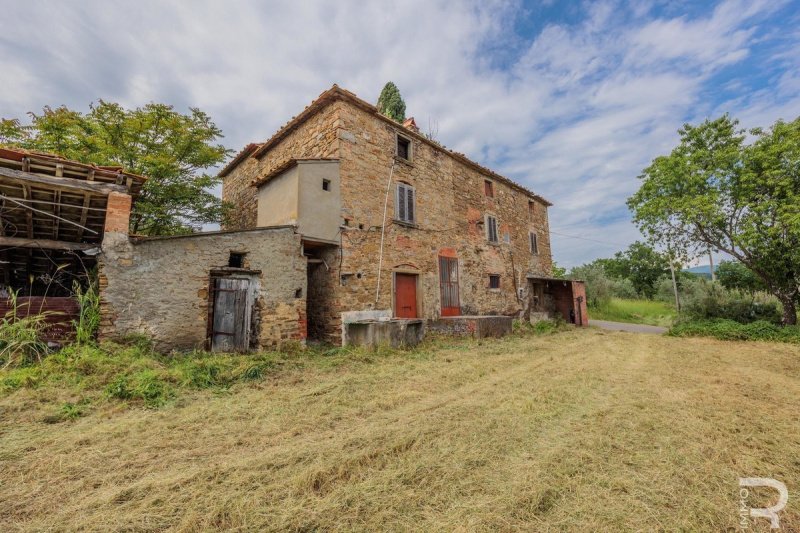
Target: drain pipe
(383, 231)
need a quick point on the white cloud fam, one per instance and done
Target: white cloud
(575, 112)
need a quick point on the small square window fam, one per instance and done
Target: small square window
(403, 148)
(488, 188)
(494, 281)
(236, 260)
(326, 185)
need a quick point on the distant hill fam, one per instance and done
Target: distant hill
(704, 271)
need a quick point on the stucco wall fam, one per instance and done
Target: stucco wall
(159, 287)
(278, 199)
(320, 210)
(315, 138)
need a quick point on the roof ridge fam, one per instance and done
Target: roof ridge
(330, 95)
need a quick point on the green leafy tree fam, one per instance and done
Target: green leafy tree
(640, 264)
(170, 148)
(558, 271)
(391, 104)
(734, 275)
(715, 191)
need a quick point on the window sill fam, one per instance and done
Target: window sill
(407, 162)
(403, 223)
(496, 290)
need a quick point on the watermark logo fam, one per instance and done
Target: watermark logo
(761, 512)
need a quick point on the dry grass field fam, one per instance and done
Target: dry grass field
(576, 431)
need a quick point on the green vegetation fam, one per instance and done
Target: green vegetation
(583, 430)
(391, 104)
(717, 191)
(651, 312)
(139, 376)
(170, 148)
(21, 337)
(730, 330)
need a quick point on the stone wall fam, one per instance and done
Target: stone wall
(451, 212)
(451, 208)
(315, 138)
(160, 287)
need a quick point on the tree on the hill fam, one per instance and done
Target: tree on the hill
(170, 148)
(391, 104)
(715, 191)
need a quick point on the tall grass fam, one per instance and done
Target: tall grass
(651, 312)
(21, 337)
(89, 318)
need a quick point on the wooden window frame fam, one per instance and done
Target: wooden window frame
(488, 188)
(409, 148)
(492, 279)
(534, 242)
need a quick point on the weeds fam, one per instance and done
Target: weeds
(89, 318)
(21, 336)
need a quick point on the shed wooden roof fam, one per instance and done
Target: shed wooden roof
(51, 208)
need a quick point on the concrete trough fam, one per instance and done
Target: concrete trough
(396, 332)
(473, 326)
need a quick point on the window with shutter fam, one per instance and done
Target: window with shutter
(405, 207)
(491, 228)
(534, 244)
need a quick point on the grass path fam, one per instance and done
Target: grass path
(652, 312)
(580, 431)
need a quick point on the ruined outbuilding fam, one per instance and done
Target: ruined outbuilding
(55, 215)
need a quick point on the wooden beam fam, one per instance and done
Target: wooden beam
(17, 242)
(68, 184)
(56, 212)
(26, 193)
(87, 198)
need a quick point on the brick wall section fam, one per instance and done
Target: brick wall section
(118, 213)
(159, 287)
(315, 138)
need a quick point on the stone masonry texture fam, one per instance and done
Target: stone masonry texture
(160, 287)
(451, 209)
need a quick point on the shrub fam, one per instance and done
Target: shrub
(730, 330)
(711, 301)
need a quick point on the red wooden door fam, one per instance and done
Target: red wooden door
(405, 295)
(448, 279)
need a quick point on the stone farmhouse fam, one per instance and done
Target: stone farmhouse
(394, 223)
(348, 227)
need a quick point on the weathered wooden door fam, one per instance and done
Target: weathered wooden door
(448, 279)
(405, 297)
(232, 309)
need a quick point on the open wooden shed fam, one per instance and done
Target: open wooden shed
(52, 222)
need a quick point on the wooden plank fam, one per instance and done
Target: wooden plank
(27, 178)
(56, 212)
(18, 242)
(87, 198)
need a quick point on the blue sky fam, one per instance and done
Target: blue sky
(572, 99)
